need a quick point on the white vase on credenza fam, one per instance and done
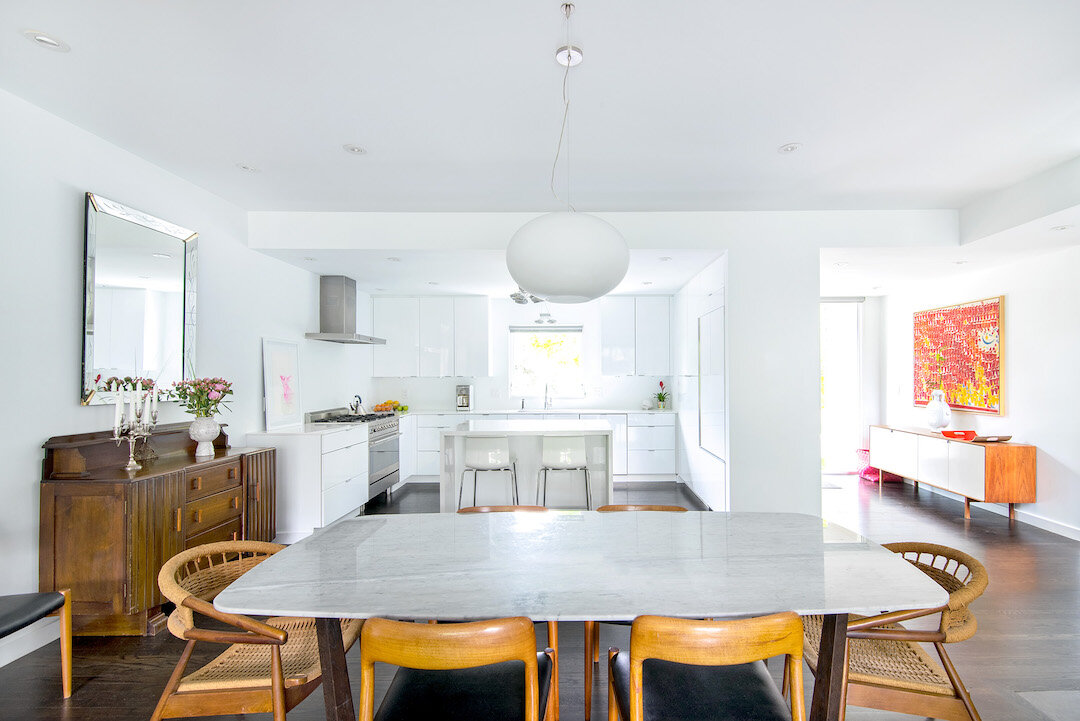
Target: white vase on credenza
(204, 430)
(938, 413)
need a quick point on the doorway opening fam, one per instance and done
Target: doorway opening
(841, 385)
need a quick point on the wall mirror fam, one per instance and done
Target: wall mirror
(139, 302)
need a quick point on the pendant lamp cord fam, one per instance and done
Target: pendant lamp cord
(564, 131)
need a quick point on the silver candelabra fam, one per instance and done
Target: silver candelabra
(133, 425)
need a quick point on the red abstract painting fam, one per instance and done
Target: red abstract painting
(958, 349)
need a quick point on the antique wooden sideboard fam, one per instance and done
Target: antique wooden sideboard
(105, 532)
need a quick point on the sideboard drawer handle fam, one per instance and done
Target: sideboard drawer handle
(178, 519)
(197, 516)
(196, 483)
(232, 473)
(236, 502)
(234, 536)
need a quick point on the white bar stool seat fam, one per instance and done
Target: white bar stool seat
(563, 453)
(484, 455)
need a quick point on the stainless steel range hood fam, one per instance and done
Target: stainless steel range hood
(337, 312)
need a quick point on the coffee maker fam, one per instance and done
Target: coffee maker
(464, 398)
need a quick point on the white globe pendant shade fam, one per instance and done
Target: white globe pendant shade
(567, 257)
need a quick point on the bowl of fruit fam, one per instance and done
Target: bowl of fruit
(391, 406)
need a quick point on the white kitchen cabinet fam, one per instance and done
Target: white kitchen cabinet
(652, 335)
(650, 443)
(427, 463)
(617, 344)
(339, 500)
(407, 447)
(398, 321)
(966, 471)
(472, 341)
(436, 337)
(635, 336)
(618, 439)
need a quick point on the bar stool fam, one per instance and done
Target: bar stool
(563, 453)
(486, 455)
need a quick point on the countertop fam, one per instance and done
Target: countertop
(530, 428)
(531, 411)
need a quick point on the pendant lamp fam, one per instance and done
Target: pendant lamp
(567, 256)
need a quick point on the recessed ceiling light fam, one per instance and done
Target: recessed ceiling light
(1060, 228)
(788, 148)
(876, 287)
(380, 289)
(247, 168)
(431, 282)
(665, 258)
(353, 149)
(393, 259)
(46, 41)
(960, 262)
(646, 282)
(162, 255)
(144, 277)
(308, 258)
(841, 264)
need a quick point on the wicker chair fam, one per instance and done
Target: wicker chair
(887, 668)
(268, 667)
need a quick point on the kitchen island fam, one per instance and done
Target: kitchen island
(565, 489)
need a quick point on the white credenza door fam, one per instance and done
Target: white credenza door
(398, 321)
(967, 470)
(895, 451)
(933, 461)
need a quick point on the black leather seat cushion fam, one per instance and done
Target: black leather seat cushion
(495, 692)
(23, 609)
(680, 692)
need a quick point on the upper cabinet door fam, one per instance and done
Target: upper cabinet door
(398, 321)
(652, 328)
(472, 344)
(617, 336)
(436, 337)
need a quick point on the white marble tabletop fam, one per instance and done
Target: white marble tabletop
(530, 428)
(580, 565)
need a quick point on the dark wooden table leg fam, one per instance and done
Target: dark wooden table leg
(828, 701)
(335, 674)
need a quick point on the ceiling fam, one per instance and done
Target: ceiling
(480, 272)
(677, 106)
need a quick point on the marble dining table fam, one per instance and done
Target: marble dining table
(581, 566)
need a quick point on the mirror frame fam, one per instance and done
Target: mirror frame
(89, 394)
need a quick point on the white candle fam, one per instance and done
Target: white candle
(119, 414)
(139, 396)
(154, 408)
(132, 399)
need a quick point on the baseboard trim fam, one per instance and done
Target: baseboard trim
(38, 634)
(1046, 524)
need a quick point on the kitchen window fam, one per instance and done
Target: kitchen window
(547, 356)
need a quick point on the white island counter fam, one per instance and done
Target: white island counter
(565, 489)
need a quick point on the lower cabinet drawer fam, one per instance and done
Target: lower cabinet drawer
(202, 482)
(650, 462)
(231, 531)
(343, 498)
(211, 511)
(652, 438)
(427, 463)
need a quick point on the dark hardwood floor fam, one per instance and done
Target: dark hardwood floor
(1024, 662)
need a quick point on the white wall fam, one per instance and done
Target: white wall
(1041, 345)
(492, 392)
(48, 164)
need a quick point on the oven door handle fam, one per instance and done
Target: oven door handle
(377, 441)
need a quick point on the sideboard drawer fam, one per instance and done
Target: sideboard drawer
(201, 482)
(213, 510)
(230, 531)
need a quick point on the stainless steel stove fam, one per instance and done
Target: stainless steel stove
(383, 435)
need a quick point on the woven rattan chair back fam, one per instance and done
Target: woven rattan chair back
(205, 571)
(958, 573)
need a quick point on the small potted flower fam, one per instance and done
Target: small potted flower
(203, 397)
(661, 397)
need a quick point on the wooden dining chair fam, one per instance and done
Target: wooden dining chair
(888, 668)
(456, 671)
(592, 628)
(683, 670)
(552, 626)
(268, 666)
(20, 610)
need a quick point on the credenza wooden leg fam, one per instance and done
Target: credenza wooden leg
(967, 509)
(1012, 511)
